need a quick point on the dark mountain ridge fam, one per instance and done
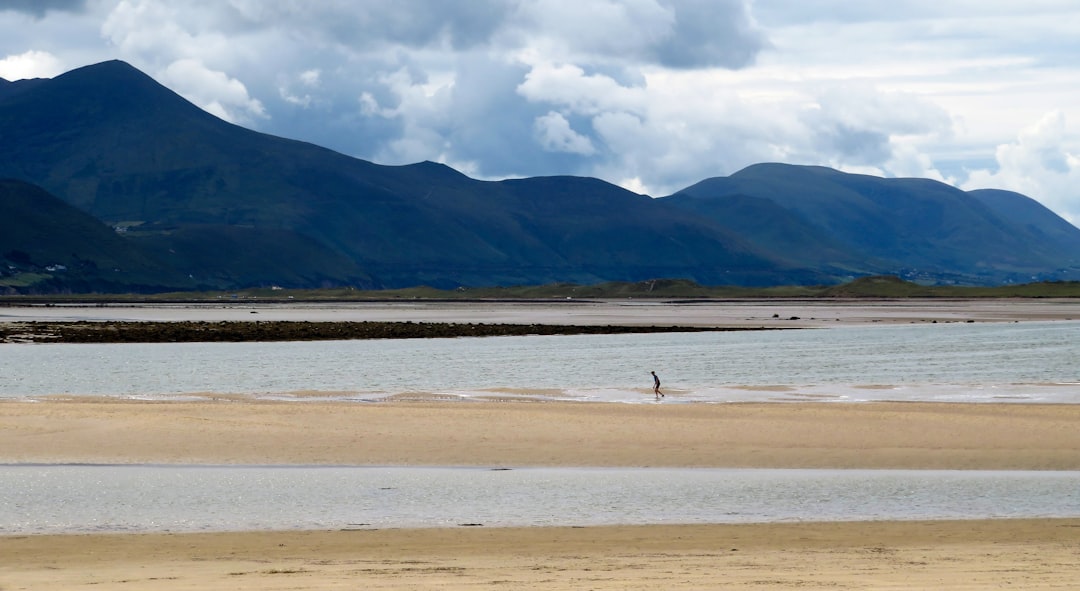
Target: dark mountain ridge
(212, 205)
(916, 227)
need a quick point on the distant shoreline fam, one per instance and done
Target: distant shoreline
(239, 331)
(253, 321)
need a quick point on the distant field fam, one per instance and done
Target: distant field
(867, 287)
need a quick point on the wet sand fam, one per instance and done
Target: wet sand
(1023, 554)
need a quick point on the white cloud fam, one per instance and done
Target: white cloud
(307, 80)
(554, 133)
(1039, 164)
(908, 161)
(31, 64)
(569, 86)
(213, 91)
(136, 26)
(310, 78)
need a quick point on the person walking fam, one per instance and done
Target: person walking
(656, 385)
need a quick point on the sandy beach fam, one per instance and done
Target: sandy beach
(1022, 554)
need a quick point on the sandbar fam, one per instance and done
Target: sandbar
(235, 430)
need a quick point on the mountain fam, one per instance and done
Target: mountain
(919, 228)
(116, 144)
(48, 242)
(1031, 219)
(205, 204)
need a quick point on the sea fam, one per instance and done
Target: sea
(1022, 362)
(1017, 363)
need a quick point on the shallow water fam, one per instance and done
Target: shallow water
(70, 499)
(985, 362)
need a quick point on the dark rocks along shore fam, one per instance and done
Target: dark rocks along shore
(250, 331)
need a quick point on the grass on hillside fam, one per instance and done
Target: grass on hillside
(885, 287)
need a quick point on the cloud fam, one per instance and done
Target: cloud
(32, 64)
(858, 127)
(571, 87)
(310, 77)
(711, 33)
(38, 8)
(670, 33)
(373, 24)
(554, 133)
(158, 32)
(677, 127)
(215, 92)
(1038, 164)
(306, 81)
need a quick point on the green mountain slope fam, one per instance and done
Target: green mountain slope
(1039, 226)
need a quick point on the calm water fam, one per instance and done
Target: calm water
(1011, 362)
(67, 499)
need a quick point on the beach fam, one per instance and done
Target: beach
(422, 429)
(1022, 554)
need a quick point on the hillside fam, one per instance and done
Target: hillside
(918, 228)
(47, 242)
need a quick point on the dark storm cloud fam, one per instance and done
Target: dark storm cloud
(378, 23)
(708, 33)
(669, 33)
(854, 145)
(38, 8)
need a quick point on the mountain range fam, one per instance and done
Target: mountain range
(116, 183)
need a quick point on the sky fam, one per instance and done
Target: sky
(652, 95)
